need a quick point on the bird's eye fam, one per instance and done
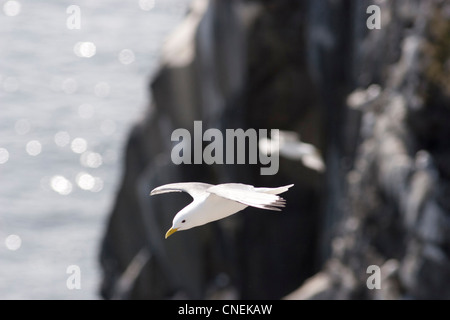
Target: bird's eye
(183, 221)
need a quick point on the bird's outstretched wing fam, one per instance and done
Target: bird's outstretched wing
(249, 195)
(194, 189)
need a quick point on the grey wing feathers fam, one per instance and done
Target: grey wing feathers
(193, 188)
(247, 195)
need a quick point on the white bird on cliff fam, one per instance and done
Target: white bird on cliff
(289, 145)
(213, 203)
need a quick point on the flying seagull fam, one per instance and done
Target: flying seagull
(213, 203)
(291, 147)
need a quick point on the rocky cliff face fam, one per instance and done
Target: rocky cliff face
(375, 102)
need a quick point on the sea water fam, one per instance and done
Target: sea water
(69, 95)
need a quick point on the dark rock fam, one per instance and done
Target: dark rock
(375, 102)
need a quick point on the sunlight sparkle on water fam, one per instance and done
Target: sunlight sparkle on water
(11, 8)
(146, 5)
(13, 242)
(33, 148)
(85, 181)
(61, 185)
(91, 159)
(62, 138)
(98, 185)
(4, 155)
(85, 49)
(126, 56)
(88, 182)
(78, 145)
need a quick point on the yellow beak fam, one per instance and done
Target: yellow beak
(171, 231)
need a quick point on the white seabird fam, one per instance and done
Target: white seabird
(213, 203)
(291, 147)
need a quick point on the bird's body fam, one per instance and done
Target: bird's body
(217, 208)
(213, 203)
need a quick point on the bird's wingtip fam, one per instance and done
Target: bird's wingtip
(156, 190)
(165, 189)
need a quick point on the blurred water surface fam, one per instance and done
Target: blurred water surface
(67, 100)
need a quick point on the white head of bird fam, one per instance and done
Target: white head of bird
(213, 203)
